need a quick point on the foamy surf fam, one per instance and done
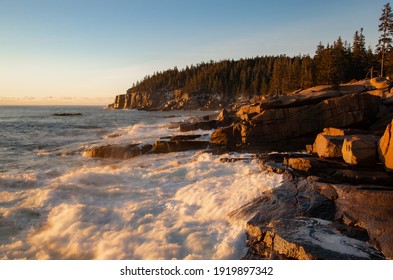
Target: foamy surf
(172, 206)
(57, 204)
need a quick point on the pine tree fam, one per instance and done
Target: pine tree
(385, 40)
(359, 56)
(341, 63)
(306, 72)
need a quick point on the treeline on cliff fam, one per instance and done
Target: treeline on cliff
(335, 63)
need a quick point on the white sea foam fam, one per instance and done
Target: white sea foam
(171, 206)
(148, 133)
(139, 132)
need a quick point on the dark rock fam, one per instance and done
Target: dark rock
(203, 125)
(360, 150)
(363, 176)
(67, 114)
(118, 151)
(305, 238)
(178, 146)
(279, 228)
(182, 137)
(388, 101)
(293, 198)
(382, 123)
(369, 207)
(358, 202)
(328, 170)
(332, 131)
(227, 136)
(298, 221)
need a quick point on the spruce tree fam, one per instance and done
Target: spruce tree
(359, 56)
(385, 40)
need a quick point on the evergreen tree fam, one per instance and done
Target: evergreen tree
(385, 40)
(341, 62)
(360, 65)
(324, 64)
(306, 77)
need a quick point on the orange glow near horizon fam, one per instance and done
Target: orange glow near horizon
(32, 101)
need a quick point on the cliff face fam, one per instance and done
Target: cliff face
(134, 100)
(171, 100)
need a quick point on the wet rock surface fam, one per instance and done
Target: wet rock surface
(320, 211)
(178, 146)
(118, 151)
(306, 238)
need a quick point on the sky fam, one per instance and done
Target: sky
(84, 52)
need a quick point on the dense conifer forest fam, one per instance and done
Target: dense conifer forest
(333, 63)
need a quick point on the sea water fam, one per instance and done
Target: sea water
(57, 204)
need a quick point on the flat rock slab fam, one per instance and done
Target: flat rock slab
(359, 176)
(182, 137)
(314, 239)
(203, 125)
(371, 208)
(178, 146)
(67, 114)
(118, 151)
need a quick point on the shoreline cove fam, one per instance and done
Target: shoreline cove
(57, 204)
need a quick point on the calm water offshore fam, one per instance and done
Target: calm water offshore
(57, 204)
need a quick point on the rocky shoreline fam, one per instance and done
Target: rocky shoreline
(337, 199)
(326, 209)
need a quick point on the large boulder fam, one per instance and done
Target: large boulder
(227, 136)
(385, 148)
(360, 150)
(329, 146)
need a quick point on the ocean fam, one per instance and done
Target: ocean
(55, 203)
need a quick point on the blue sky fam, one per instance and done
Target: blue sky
(87, 51)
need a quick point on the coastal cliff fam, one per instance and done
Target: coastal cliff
(170, 100)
